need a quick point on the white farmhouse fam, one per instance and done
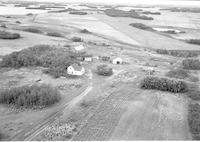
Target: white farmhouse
(117, 60)
(75, 69)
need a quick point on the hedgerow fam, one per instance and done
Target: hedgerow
(9, 35)
(178, 73)
(55, 34)
(164, 84)
(34, 96)
(191, 64)
(178, 53)
(194, 120)
(33, 30)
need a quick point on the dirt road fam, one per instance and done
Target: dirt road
(31, 132)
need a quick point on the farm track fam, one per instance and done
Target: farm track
(31, 132)
(102, 123)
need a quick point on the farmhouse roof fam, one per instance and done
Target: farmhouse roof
(76, 67)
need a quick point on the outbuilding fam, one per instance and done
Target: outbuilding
(117, 60)
(75, 69)
(79, 48)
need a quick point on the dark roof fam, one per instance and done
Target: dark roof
(76, 67)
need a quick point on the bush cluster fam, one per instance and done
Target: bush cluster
(104, 70)
(178, 73)
(55, 34)
(3, 25)
(33, 30)
(85, 31)
(151, 13)
(57, 71)
(78, 13)
(194, 41)
(191, 64)
(182, 9)
(120, 13)
(164, 84)
(76, 39)
(8, 35)
(141, 26)
(178, 53)
(55, 59)
(194, 120)
(30, 96)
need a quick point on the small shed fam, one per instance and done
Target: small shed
(88, 58)
(117, 60)
(79, 48)
(75, 69)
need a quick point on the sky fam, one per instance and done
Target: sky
(148, 2)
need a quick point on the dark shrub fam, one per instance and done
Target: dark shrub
(33, 30)
(30, 96)
(164, 84)
(8, 35)
(18, 22)
(29, 14)
(151, 13)
(194, 41)
(191, 64)
(3, 25)
(194, 120)
(76, 39)
(85, 31)
(178, 53)
(178, 73)
(56, 34)
(104, 70)
(78, 13)
(141, 26)
(1, 136)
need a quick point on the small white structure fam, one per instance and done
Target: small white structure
(150, 70)
(79, 48)
(88, 59)
(117, 60)
(75, 69)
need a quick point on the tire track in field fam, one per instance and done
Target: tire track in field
(103, 122)
(33, 131)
